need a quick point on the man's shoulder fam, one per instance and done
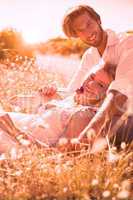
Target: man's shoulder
(126, 41)
(120, 39)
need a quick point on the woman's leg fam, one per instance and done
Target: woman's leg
(7, 143)
(53, 124)
(46, 128)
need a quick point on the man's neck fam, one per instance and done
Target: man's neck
(103, 44)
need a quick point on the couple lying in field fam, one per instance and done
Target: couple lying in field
(102, 89)
(61, 117)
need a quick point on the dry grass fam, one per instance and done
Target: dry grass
(22, 78)
(54, 174)
(61, 173)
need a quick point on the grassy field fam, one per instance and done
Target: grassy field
(67, 172)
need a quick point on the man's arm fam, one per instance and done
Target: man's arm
(87, 63)
(108, 109)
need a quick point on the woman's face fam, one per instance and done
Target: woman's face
(97, 84)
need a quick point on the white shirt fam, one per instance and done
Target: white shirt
(124, 74)
(118, 51)
(92, 59)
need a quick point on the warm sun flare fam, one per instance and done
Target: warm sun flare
(31, 37)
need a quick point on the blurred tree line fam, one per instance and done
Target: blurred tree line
(12, 44)
(63, 46)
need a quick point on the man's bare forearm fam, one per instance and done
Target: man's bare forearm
(102, 114)
(107, 110)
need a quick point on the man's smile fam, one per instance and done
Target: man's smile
(92, 37)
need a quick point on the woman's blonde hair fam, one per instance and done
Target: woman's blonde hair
(72, 14)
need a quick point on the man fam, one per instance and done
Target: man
(109, 52)
(90, 89)
(107, 49)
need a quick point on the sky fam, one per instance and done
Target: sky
(40, 20)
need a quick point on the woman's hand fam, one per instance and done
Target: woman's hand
(86, 98)
(49, 90)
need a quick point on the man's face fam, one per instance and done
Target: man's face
(88, 29)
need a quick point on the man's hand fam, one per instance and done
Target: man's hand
(49, 90)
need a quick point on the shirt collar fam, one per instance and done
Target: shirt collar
(112, 39)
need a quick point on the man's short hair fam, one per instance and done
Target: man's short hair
(72, 14)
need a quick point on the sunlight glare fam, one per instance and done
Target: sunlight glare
(31, 38)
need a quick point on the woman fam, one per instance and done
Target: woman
(66, 118)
